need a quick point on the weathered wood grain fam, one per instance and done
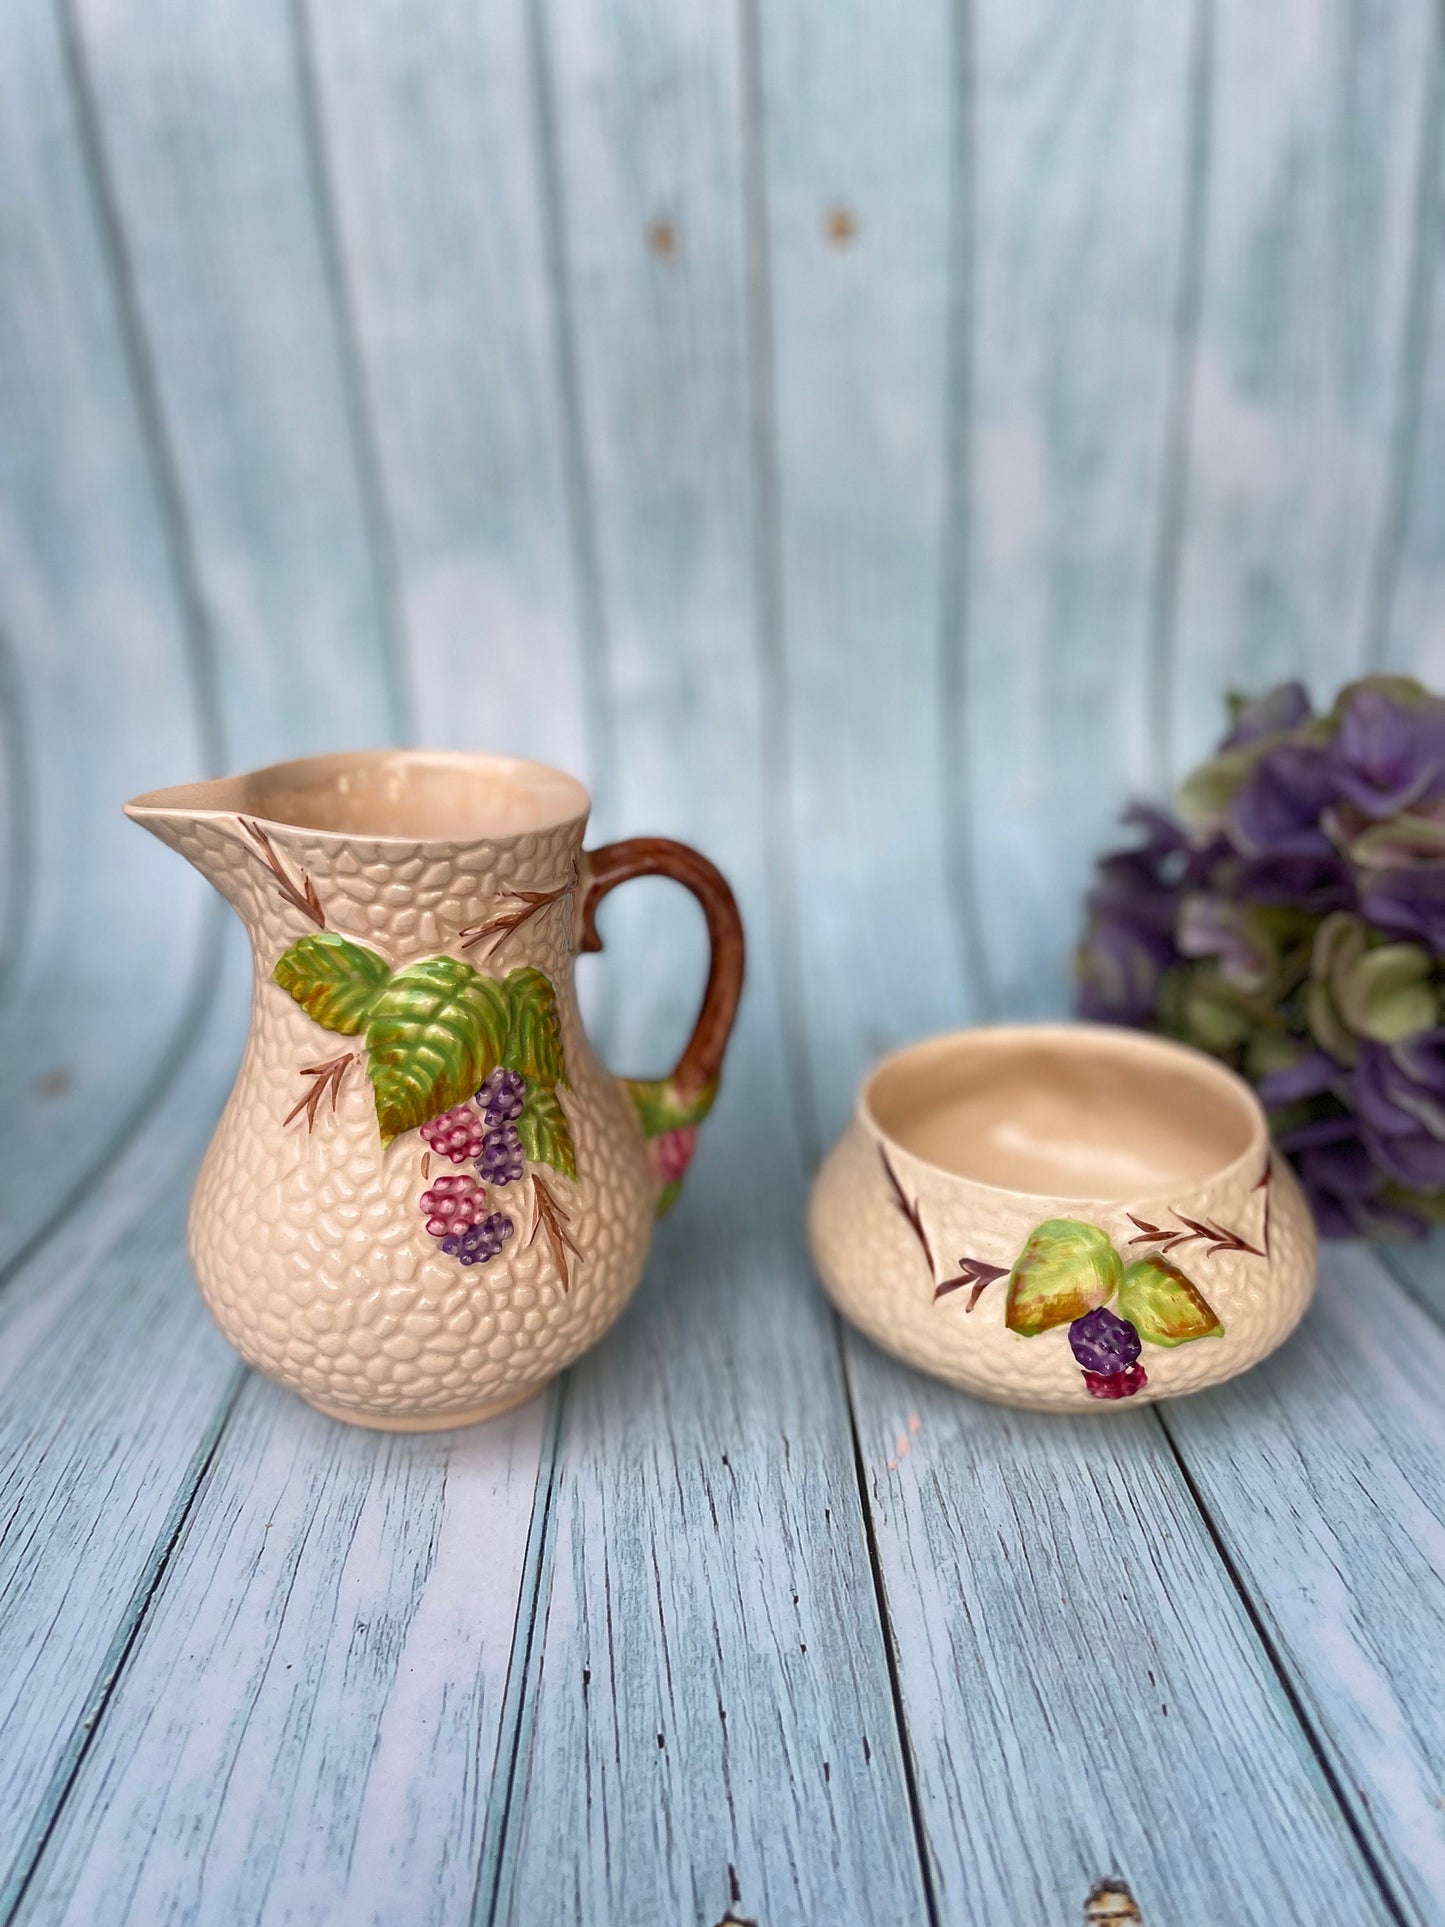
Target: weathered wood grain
(1410, 572)
(416, 1723)
(16, 829)
(330, 1636)
(401, 1705)
(855, 115)
(1083, 1691)
(652, 290)
(307, 1726)
(766, 409)
(1059, 1614)
(103, 669)
(1080, 147)
(646, 194)
(1421, 1270)
(201, 122)
(708, 1724)
(1324, 1474)
(431, 135)
(114, 1384)
(707, 1721)
(1317, 120)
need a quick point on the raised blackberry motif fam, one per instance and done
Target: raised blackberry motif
(480, 1243)
(452, 1204)
(458, 1134)
(501, 1158)
(502, 1096)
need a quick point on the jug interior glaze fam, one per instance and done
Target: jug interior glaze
(1063, 1216)
(426, 1195)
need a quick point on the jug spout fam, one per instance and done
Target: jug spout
(334, 816)
(427, 1194)
(204, 822)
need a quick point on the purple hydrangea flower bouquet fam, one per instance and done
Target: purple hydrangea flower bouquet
(1288, 916)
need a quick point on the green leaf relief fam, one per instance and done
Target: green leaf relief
(1066, 1269)
(433, 1033)
(534, 1030)
(659, 1108)
(667, 1197)
(544, 1131)
(1163, 1306)
(334, 979)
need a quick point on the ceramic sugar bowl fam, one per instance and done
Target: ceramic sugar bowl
(426, 1195)
(1063, 1217)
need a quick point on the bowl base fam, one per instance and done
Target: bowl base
(427, 1421)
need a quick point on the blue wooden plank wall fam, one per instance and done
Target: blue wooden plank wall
(867, 439)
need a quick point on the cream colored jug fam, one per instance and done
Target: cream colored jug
(426, 1196)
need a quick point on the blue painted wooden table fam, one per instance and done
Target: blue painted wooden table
(865, 439)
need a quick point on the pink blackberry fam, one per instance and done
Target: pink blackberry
(671, 1153)
(458, 1134)
(452, 1205)
(1121, 1384)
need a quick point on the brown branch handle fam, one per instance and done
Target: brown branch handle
(658, 856)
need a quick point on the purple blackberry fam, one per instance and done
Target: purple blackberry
(501, 1096)
(457, 1134)
(1103, 1343)
(480, 1243)
(452, 1204)
(501, 1159)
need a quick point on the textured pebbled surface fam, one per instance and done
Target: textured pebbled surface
(874, 1269)
(309, 1247)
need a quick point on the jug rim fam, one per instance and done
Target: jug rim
(1111, 1043)
(538, 797)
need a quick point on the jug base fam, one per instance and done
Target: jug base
(427, 1421)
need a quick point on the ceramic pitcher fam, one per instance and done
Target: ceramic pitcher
(426, 1195)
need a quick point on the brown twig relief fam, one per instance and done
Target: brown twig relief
(1214, 1236)
(502, 924)
(1266, 1181)
(551, 1218)
(303, 898)
(910, 1211)
(974, 1272)
(330, 1075)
